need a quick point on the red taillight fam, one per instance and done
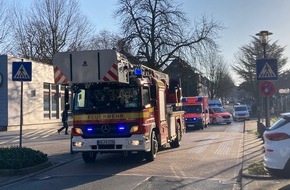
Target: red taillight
(277, 136)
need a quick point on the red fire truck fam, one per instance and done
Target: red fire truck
(196, 112)
(119, 106)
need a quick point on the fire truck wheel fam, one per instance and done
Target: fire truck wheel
(151, 155)
(89, 157)
(176, 142)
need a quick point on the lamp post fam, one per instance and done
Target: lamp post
(263, 35)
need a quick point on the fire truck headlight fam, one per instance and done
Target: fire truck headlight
(136, 142)
(78, 144)
(134, 128)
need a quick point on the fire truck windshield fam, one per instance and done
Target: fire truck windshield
(107, 99)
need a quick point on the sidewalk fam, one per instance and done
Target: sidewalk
(253, 152)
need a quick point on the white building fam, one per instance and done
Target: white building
(43, 101)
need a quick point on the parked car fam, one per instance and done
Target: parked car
(241, 112)
(277, 147)
(219, 115)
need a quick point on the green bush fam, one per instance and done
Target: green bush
(257, 169)
(19, 158)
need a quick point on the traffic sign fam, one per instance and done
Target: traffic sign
(267, 69)
(267, 88)
(21, 71)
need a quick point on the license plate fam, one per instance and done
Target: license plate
(105, 142)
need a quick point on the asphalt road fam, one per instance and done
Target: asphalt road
(206, 159)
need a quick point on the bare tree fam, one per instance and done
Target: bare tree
(159, 32)
(51, 26)
(221, 82)
(245, 65)
(105, 40)
(5, 28)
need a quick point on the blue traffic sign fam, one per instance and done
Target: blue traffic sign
(267, 69)
(21, 71)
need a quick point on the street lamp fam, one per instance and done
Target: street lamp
(263, 35)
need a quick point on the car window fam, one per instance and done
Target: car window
(281, 122)
(219, 110)
(241, 108)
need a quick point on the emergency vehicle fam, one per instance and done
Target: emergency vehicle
(119, 106)
(196, 112)
(219, 115)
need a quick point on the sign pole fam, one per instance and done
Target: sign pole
(21, 71)
(21, 112)
(267, 111)
(21, 115)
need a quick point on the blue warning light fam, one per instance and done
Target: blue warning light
(138, 72)
(121, 128)
(89, 129)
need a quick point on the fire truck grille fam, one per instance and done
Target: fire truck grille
(106, 131)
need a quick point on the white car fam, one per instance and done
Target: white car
(241, 112)
(277, 147)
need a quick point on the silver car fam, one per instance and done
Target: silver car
(241, 113)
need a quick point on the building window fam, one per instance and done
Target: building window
(53, 100)
(46, 101)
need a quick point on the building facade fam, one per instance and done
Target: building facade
(192, 82)
(43, 101)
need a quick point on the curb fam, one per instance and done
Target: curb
(258, 177)
(38, 170)
(28, 170)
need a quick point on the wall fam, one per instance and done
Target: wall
(32, 96)
(3, 94)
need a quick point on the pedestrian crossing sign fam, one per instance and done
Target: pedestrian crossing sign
(267, 69)
(21, 71)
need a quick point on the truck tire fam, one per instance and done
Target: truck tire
(176, 142)
(89, 157)
(202, 126)
(151, 155)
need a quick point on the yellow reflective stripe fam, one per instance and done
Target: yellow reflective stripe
(110, 116)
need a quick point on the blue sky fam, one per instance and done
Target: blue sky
(241, 19)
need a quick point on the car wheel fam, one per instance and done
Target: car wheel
(201, 127)
(287, 169)
(176, 142)
(151, 155)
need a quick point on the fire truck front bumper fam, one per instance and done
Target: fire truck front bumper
(134, 143)
(193, 122)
